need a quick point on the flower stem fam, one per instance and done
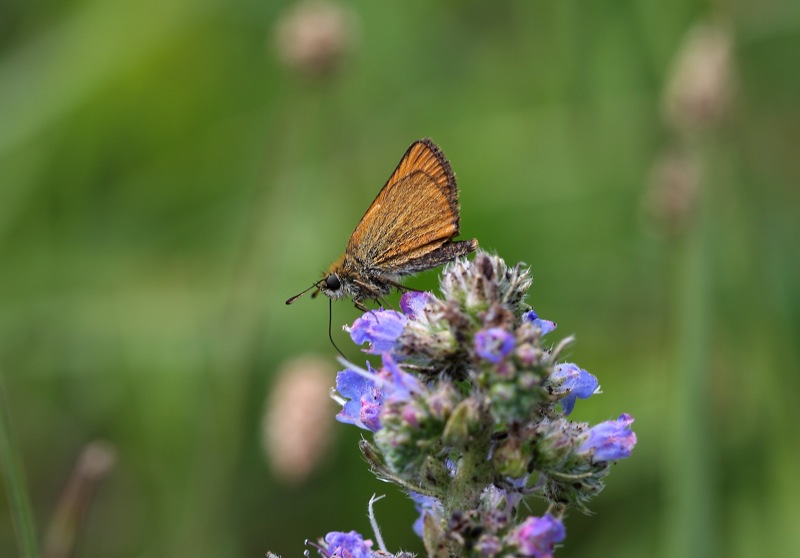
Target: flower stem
(472, 476)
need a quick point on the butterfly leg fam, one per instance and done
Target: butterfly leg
(399, 287)
(367, 292)
(384, 303)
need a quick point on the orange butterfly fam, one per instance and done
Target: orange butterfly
(407, 229)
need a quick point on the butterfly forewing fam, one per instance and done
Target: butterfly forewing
(427, 223)
(414, 214)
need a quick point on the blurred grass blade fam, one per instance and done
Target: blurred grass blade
(689, 510)
(14, 481)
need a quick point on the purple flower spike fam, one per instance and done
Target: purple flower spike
(536, 536)
(493, 344)
(365, 400)
(379, 328)
(413, 303)
(610, 440)
(347, 545)
(545, 325)
(578, 383)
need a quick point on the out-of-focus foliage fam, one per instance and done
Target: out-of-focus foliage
(171, 172)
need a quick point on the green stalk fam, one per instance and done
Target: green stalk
(688, 476)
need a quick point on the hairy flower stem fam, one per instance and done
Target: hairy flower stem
(474, 473)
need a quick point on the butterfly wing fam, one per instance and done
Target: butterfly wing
(413, 216)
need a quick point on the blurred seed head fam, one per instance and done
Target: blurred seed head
(297, 422)
(94, 463)
(700, 87)
(672, 191)
(313, 37)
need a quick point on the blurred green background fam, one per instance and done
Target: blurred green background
(171, 172)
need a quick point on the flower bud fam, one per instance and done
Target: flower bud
(442, 401)
(536, 536)
(609, 440)
(673, 188)
(700, 87)
(461, 424)
(295, 429)
(313, 37)
(435, 472)
(510, 459)
(554, 443)
(432, 537)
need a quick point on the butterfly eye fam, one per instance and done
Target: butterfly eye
(332, 283)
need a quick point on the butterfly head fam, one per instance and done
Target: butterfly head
(332, 286)
(337, 282)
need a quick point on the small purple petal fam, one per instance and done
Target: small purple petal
(413, 303)
(401, 383)
(489, 545)
(379, 328)
(365, 400)
(545, 325)
(347, 545)
(493, 344)
(610, 440)
(577, 384)
(536, 536)
(370, 417)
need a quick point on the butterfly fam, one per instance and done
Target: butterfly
(408, 228)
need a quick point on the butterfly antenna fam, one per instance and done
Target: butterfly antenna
(295, 297)
(330, 326)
